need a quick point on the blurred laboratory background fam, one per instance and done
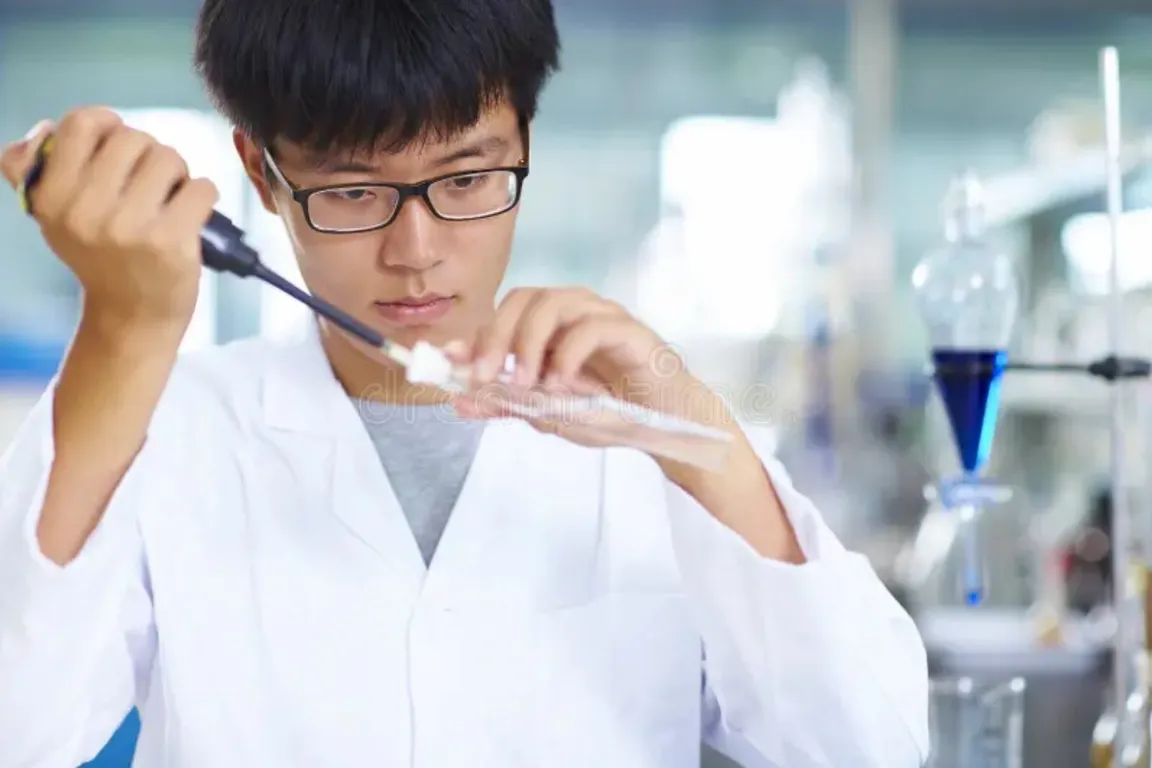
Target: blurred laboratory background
(758, 179)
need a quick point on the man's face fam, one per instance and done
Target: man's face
(420, 277)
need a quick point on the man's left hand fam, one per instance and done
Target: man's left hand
(574, 341)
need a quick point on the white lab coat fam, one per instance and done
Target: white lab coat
(254, 588)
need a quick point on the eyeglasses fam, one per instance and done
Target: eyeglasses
(461, 196)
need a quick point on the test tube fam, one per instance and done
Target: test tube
(972, 552)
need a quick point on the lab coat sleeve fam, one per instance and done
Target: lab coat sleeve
(804, 665)
(76, 642)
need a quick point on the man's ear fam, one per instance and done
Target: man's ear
(252, 156)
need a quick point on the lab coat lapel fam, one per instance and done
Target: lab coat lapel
(304, 401)
(365, 502)
(526, 527)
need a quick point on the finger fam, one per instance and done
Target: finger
(589, 435)
(619, 336)
(540, 323)
(17, 158)
(491, 402)
(528, 340)
(477, 410)
(185, 215)
(76, 140)
(495, 341)
(582, 386)
(157, 177)
(458, 351)
(106, 178)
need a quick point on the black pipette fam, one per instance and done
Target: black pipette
(224, 250)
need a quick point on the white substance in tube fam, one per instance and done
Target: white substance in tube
(428, 365)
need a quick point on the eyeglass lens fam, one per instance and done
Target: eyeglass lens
(467, 196)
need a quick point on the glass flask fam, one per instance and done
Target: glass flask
(975, 724)
(968, 296)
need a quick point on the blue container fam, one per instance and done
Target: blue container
(969, 384)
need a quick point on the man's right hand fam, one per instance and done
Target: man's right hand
(119, 209)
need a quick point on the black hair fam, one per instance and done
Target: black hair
(372, 74)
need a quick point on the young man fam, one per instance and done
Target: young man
(284, 555)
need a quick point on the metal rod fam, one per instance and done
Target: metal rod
(1019, 365)
(1121, 534)
(1112, 368)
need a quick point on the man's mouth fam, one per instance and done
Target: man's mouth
(415, 310)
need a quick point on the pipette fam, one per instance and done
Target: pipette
(224, 250)
(609, 419)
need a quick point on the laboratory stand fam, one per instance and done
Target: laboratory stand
(995, 669)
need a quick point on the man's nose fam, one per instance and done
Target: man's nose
(411, 241)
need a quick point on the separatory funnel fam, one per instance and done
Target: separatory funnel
(968, 296)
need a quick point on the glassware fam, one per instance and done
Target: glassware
(976, 725)
(598, 418)
(968, 297)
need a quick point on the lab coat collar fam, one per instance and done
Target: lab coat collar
(515, 472)
(302, 398)
(301, 393)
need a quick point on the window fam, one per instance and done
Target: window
(750, 205)
(1087, 244)
(716, 265)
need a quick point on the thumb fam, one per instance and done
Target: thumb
(17, 158)
(459, 351)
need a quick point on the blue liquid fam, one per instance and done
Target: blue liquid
(968, 381)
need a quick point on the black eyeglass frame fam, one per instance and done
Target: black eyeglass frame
(403, 192)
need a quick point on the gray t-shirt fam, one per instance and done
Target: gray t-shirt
(426, 451)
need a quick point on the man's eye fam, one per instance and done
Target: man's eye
(467, 182)
(353, 195)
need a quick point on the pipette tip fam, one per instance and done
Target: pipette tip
(396, 353)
